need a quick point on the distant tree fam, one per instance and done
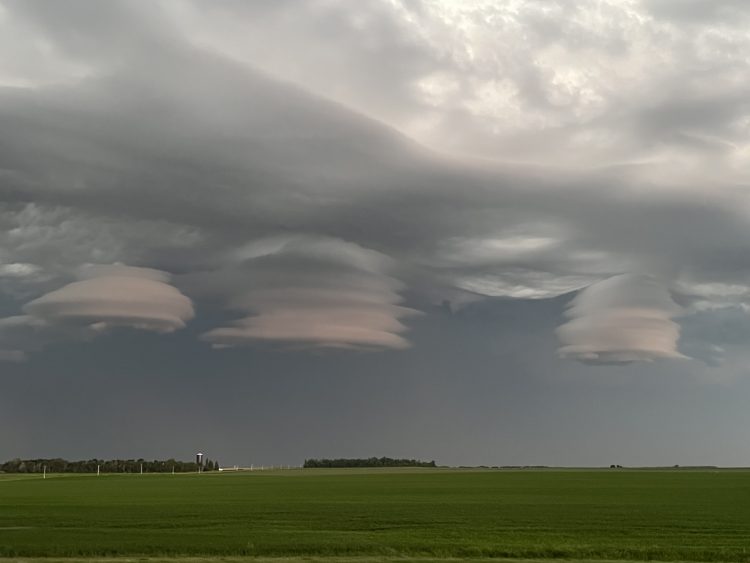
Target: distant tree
(367, 462)
(58, 465)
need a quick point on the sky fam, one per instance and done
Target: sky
(481, 232)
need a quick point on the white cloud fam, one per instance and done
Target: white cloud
(18, 270)
(109, 296)
(314, 291)
(622, 319)
(105, 296)
(523, 284)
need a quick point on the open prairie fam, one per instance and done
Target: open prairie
(587, 514)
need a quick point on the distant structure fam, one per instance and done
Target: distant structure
(199, 461)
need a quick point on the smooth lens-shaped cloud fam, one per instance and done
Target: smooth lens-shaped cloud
(116, 296)
(320, 292)
(623, 319)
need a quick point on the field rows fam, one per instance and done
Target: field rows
(382, 515)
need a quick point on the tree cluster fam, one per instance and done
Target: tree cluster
(58, 465)
(367, 462)
(211, 465)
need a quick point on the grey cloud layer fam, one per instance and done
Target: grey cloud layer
(616, 80)
(174, 152)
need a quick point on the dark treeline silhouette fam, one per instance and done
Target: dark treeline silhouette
(58, 465)
(367, 462)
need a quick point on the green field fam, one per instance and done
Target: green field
(380, 514)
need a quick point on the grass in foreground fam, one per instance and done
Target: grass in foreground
(633, 515)
(248, 559)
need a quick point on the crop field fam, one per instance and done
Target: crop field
(377, 515)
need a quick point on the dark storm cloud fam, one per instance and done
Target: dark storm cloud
(167, 148)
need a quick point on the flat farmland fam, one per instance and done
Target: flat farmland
(379, 515)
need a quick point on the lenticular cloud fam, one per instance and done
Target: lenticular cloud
(623, 319)
(315, 292)
(117, 295)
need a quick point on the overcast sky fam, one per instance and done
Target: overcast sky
(475, 231)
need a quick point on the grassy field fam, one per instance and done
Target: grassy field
(380, 514)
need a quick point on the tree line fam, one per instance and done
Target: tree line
(58, 465)
(367, 462)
